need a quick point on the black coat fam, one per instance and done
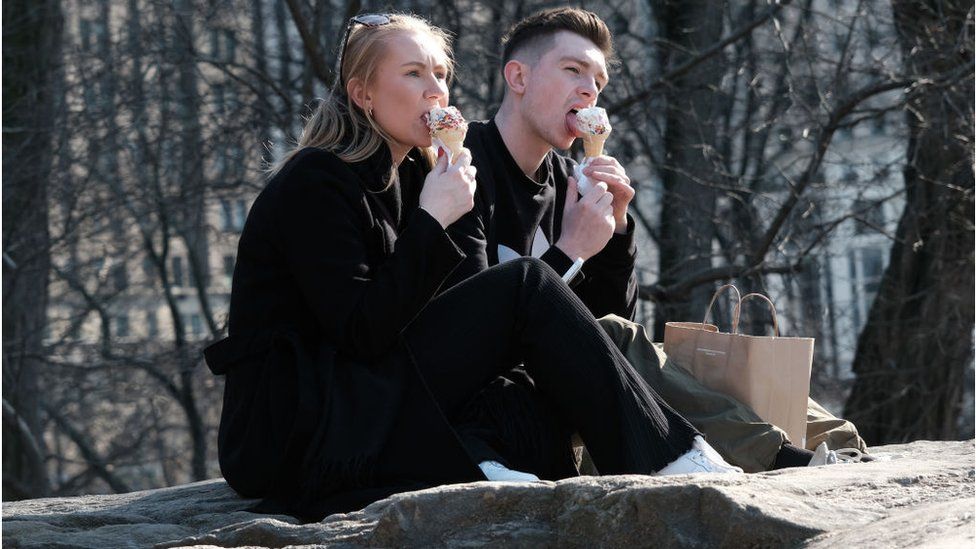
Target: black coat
(330, 269)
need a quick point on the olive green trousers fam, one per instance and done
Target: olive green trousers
(730, 427)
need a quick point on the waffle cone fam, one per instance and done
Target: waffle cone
(453, 139)
(593, 144)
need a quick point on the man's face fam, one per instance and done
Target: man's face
(566, 78)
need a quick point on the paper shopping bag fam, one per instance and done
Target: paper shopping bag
(769, 374)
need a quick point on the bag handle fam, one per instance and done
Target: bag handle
(738, 298)
(772, 309)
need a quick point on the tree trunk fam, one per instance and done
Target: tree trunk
(688, 202)
(913, 353)
(193, 227)
(263, 110)
(31, 55)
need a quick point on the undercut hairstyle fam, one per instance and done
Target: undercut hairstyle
(532, 37)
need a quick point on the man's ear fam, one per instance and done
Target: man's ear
(516, 74)
(356, 90)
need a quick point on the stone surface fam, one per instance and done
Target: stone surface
(922, 495)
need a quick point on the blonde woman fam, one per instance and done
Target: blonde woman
(345, 371)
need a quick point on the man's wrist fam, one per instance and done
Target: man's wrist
(620, 224)
(569, 250)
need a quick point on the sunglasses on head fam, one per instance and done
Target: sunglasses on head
(366, 20)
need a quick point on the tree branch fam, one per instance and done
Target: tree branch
(31, 447)
(680, 290)
(690, 64)
(310, 43)
(98, 464)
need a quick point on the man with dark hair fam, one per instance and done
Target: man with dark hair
(527, 203)
(555, 65)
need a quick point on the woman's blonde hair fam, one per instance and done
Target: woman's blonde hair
(337, 124)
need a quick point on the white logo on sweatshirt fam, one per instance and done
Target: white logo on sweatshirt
(539, 246)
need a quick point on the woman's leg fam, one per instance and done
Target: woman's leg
(522, 312)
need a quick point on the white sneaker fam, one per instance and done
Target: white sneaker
(495, 471)
(825, 456)
(822, 456)
(702, 458)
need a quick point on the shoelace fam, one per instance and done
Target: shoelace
(849, 455)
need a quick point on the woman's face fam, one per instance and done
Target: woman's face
(410, 79)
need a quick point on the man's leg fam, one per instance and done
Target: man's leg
(522, 312)
(822, 426)
(740, 435)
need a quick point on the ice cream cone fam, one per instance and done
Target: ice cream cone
(448, 127)
(594, 128)
(593, 144)
(453, 139)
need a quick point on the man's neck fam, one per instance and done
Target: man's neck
(521, 141)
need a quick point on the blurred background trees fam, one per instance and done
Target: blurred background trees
(817, 150)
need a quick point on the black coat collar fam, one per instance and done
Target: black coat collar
(392, 201)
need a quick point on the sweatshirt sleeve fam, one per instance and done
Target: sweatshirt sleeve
(469, 233)
(610, 286)
(325, 229)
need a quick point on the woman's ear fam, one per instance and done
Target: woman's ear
(516, 74)
(356, 91)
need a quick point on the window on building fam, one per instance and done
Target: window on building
(97, 265)
(149, 270)
(872, 36)
(231, 100)
(122, 325)
(785, 136)
(226, 215)
(878, 125)
(196, 324)
(869, 216)
(74, 331)
(866, 267)
(240, 214)
(233, 213)
(85, 33)
(152, 323)
(90, 31)
(872, 268)
(840, 39)
(120, 277)
(177, 269)
(215, 43)
(229, 267)
(230, 158)
(223, 45)
(230, 45)
(219, 99)
(191, 280)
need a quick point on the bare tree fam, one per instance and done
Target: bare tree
(913, 354)
(31, 40)
(736, 121)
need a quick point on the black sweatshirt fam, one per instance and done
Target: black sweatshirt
(515, 216)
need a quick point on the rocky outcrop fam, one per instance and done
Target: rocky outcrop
(922, 494)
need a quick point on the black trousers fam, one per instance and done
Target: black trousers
(521, 312)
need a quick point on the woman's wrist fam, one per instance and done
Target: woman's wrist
(438, 219)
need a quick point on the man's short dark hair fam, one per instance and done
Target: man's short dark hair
(538, 32)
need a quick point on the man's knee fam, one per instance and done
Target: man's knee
(533, 267)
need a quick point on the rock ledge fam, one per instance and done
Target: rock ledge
(922, 495)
